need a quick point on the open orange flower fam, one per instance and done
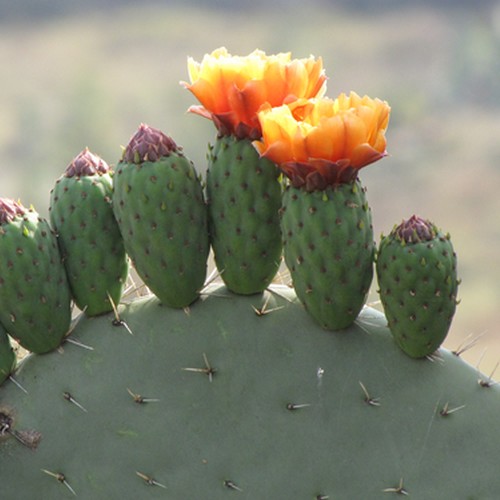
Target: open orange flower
(321, 142)
(232, 89)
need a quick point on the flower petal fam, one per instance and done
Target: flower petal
(319, 142)
(237, 87)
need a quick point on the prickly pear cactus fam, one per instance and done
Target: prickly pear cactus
(159, 205)
(417, 275)
(34, 291)
(245, 397)
(329, 250)
(244, 199)
(91, 245)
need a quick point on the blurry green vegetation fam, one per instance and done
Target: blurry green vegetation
(90, 78)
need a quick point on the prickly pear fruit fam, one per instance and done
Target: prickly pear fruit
(159, 205)
(7, 356)
(417, 275)
(329, 250)
(81, 212)
(34, 292)
(244, 199)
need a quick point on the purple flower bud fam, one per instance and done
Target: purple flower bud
(415, 230)
(85, 164)
(9, 209)
(148, 144)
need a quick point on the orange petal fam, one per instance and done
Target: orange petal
(320, 141)
(355, 132)
(363, 155)
(275, 82)
(200, 110)
(317, 78)
(207, 95)
(238, 87)
(334, 131)
(297, 79)
(247, 101)
(278, 152)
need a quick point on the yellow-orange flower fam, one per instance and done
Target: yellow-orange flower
(232, 89)
(321, 142)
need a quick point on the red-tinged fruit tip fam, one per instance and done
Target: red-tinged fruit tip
(415, 230)
(9, 209)
(86, 164)
(148, 144)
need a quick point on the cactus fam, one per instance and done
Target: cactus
(243, 191)
(329, 250)
(159, 205)
(417, 275)
(320, 145)
(34, 292)
(90, 242)
(7, 356)
(244, 199)
(245, 397)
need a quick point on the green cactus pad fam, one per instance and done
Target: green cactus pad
(162, 216)
(244, 199)
(227, 403)
(34, 292)
(81, 212)
(417, 276)
(329, 250)
(7, 356)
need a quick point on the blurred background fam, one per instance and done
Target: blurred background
(76, 74)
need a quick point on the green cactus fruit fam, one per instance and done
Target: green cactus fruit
(81, 213)
(35, 301)
(227, 403)
(7, 356)
(244, 199)
(329, 250)
(417, 275)
(159, 205)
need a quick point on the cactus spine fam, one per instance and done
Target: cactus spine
(7, 356)
(91, 245)
(417, 275)
(159, 205)
(244, 199)
(34, 292)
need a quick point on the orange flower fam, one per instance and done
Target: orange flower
(232, 89)
(321, 142)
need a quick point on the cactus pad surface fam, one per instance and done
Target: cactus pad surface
(248, 398)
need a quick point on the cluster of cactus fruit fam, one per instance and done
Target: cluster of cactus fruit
(153, 209)
(281, 411)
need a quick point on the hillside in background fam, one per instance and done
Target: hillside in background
(46, 9)
(76, 78)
